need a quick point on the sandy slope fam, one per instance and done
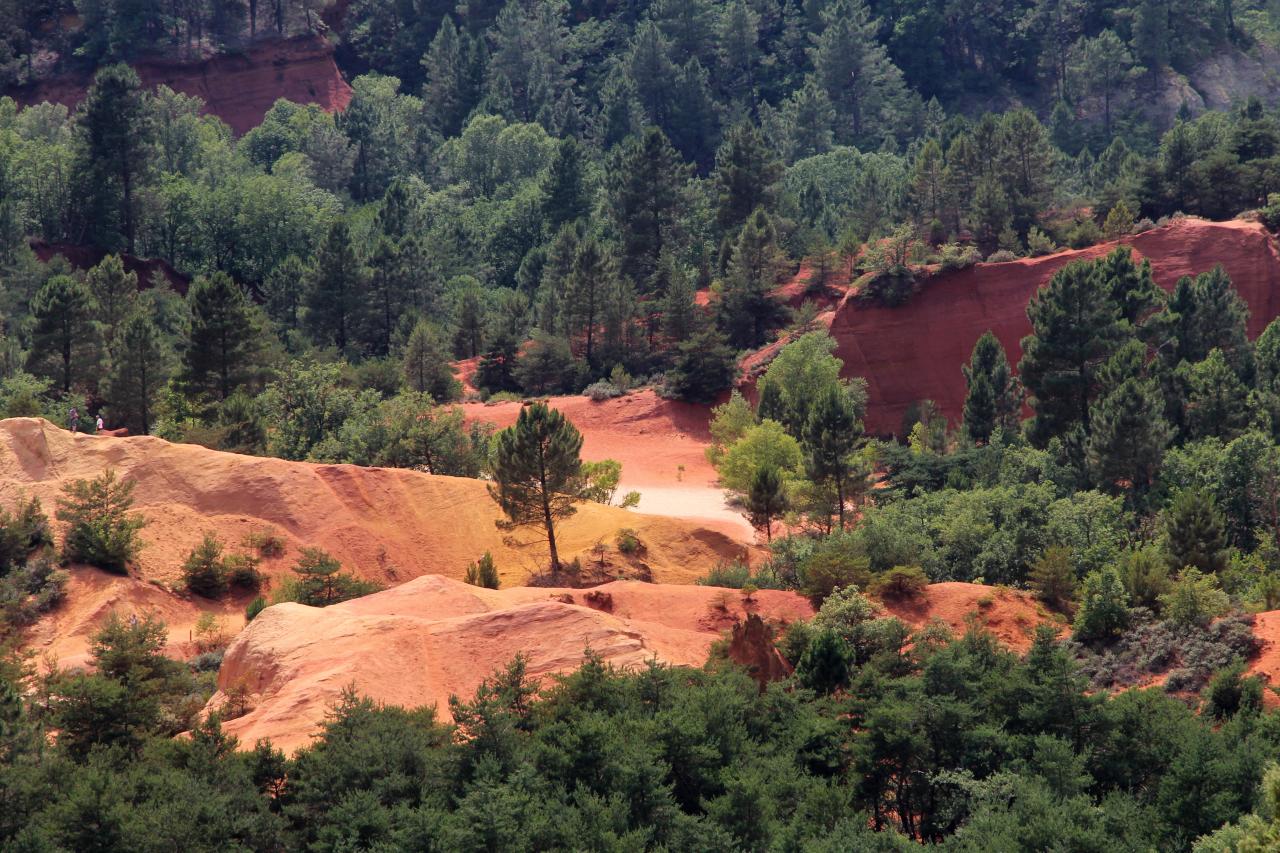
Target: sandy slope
(433, 637)
(387, 525)
(1010, 615)
(661, 445)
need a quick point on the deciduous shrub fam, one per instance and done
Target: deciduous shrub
(901, 583)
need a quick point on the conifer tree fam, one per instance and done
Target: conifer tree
(746, 176)
(450, 89)
(831, 434)
(468, 341)
(537, 471)
(63, 342)
(1131, 286)
(748, 312)
(1207, 313)
(1129, 437)
(1075, 328)
(1194, 533)
(994, 399)
(705, 365)
(221, 343)
(139, 369)
(646, 190)
(590, 281)
(426, 364)
(767, 499)
(114, 292)
(336, 300)
(1216, 402)
(564, 196)
(115, 136)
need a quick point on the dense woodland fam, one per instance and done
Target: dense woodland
(545, 190)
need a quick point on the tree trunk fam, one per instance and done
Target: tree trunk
(546, 510)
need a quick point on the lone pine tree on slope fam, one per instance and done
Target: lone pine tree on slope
(537, 471)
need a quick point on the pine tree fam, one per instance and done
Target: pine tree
(994, 398)
(1025, 166)
(483, 572)
(704, 366)
(928, 183)
(646, 191)
(591, 279)
(426, 364)
(451, 85)
(864, 86)
(1075, 328)
(1131, 286)
(496, 371)
(139, 369)
(468, 340)
(221, 344)
(1194, 533)
(1053, 578)
(767, 499)
(807, 119)
(831, 434)
(537, 471)
(748, 312)
(564, 197)
(63, 341)
(679, 305)
(1217, 402)
(115, 137)
(1129, 438)
(283, 290)
(746, 176)
(336, 299)
(115, 292)
(1208, 314)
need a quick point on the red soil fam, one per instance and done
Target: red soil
(387, 525)
(431, 638)
(238, 88)
(660, 443)
(84, 257)
(1010, 615)
(914, 352)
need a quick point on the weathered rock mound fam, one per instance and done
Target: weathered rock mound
(238, 88)
(914, 352)
(433, 637)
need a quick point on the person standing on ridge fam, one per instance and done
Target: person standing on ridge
(73, 419)
(97, 427)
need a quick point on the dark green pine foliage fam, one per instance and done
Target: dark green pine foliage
(1131, 285)
(63, 341)
(496, 371)
(336, 300)
(646, 190)
(115, 135)
(746, 176)
(221, 345)
(1129, 434)
(565, 198)
(747, 310)
(1207, 313)
(451, 67)
(1216, 402)
(994, 399)
(705, 365)
(831, 434)
(426, 364)
(139, 369)
(468, 339)
(1195, 533)
(771, 406)
(767, 499)
(590, 281)
(1075, 328)
(537, 467)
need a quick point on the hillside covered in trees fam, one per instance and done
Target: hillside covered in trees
(533, 198)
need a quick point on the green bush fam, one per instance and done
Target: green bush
(100, 529)
(1194, 599)
(22, 533)
(204, 572)
(266, 543)
(901, 583)
(255, 607)
(1104, 607)
(1229, 692)
(836, 563)
(628, 542)
(242, 572)
(483, 572)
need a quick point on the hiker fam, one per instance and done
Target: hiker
(97, 427)
(73, 419)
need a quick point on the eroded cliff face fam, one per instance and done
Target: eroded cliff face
(238, 88)
(914, 352)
